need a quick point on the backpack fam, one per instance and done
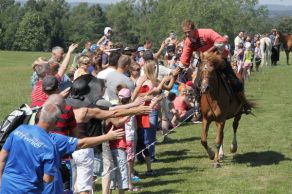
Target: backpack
(23, 115)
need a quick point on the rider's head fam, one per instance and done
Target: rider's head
(188, 26)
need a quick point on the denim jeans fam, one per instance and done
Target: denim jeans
(150, 134)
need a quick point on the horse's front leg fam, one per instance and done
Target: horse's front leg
(205, 128)
(218, 142)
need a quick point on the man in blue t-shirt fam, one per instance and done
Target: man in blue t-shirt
(28, 156)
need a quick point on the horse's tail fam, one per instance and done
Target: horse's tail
(252, 103)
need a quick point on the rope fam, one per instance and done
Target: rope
(147, 146)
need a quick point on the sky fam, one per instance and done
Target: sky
(280, 2)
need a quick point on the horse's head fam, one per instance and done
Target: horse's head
(211, 61)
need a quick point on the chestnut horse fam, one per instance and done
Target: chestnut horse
(286, 40)
(218, 103)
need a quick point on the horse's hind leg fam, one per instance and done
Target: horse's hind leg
(233, 146)
(205, 128)
(218, 142)
(287, 56)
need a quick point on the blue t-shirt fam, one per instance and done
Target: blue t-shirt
(31, 155)
(65, 145)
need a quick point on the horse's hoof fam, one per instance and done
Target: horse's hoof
(233, 147)
(211, 154)
(216, 165)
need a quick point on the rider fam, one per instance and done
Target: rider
(208, 40)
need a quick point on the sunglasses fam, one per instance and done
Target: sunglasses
(136, 69)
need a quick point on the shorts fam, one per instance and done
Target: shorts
(107, 161)
(130, 150)
(83, 169)
(119, 177)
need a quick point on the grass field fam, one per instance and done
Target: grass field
(263, 163)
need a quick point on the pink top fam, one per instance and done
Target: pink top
(205, 39)
(180, 105)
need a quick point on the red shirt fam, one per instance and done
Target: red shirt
(66, 123)
(143, 120)
(38, 96)
(118, 143)
(205, 39)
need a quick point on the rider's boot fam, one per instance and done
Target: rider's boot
(197, 111)
(246, 105)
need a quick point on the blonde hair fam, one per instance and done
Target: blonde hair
(83, 60)
(39, 61)
(149, 70)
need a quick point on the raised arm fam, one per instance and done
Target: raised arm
(64, 65)
(157, 55)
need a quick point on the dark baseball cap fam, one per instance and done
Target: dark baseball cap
(50, 83)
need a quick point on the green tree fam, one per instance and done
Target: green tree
(10, 16)
(30, 34)
(285, 25)
(84, 23)
(121, 17)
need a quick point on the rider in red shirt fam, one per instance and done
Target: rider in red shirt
(208, 40)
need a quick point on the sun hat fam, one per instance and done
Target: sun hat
(124, 93)
(87, 91)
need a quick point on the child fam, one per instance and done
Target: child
(258, 55)
(131, 135)
(119, 178)
(247, 61)
(239, 57)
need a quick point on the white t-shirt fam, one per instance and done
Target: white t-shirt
(130, 128)
(102, 75)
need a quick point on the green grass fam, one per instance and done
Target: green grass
(261, 165)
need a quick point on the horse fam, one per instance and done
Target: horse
(286, 40)
(266, 50)
(218, 103)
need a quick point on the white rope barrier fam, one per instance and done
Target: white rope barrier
(97, 179)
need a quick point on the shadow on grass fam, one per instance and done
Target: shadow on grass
(173, 141)
(254, 159)
(165, 191)
(159, 182)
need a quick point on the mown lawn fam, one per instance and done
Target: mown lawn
(263, 163)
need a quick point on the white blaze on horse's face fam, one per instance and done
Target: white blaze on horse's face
(206, 67)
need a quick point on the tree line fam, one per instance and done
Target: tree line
(40, 25)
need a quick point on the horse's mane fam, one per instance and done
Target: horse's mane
(215, 59)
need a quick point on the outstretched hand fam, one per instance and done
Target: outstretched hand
(115, 134)
(72, 47)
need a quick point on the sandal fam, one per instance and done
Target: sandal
(134, 189)
(135, 179)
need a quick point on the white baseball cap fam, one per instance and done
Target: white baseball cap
(107, 29)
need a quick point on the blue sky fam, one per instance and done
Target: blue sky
(280, 2)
